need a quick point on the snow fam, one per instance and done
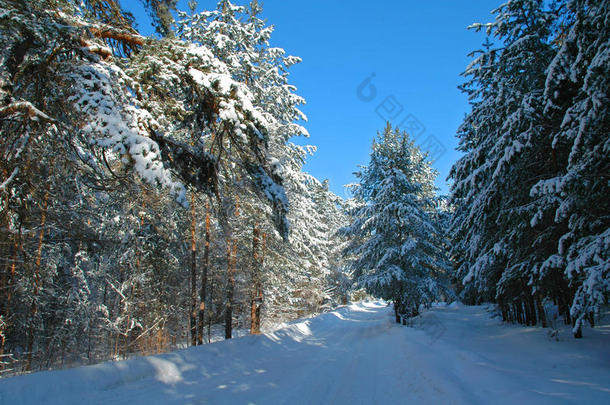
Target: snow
(355, 354)
(10, 178)
(456, 305)
(199, 77)
(116, 122)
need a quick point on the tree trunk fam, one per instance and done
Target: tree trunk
(204, 274)
(231, 265)
(12, 267)
(257, 293)
(209, 329)
(34, 306)
(578, 333)
(591, 318)
(231, 253)
(5, 251)
(525, 310)
(532, 305)
(193, 316)
(504, 312)
(541, 314)
(12, 271)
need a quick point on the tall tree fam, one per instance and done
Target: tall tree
(238, 37)
(515, 203)
(397, 242)
(577, 95)
(84, 87)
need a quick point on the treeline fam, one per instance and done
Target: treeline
(150, 193)
(531, 223)
(527, 225)
(149, 186)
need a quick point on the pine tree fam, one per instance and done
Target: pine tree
(524, 138)
(118, 128)
(504, 140)
(396, 234)
(576, 95)
(239, 38)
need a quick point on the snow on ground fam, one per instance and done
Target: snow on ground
(354, 355)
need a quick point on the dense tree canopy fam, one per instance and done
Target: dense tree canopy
(151, 190)
(531, 210)
(146, 180)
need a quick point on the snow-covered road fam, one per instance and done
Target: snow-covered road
(354, 355)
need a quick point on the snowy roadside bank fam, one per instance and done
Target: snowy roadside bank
(355, 354)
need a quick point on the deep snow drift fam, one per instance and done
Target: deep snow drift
(353, 355)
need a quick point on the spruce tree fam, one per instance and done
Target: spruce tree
(396, 247)
(525, 231)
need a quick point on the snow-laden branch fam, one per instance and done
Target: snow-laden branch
(8, 181)
(24, 107)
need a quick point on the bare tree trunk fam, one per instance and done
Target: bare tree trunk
(527, 311)
(9, 287)
(209, 329)
(193, 316)
(231, 258)
(532, 309)
(578, 333)
(34, 306)
(591, 318)
(204, 274)
(257, 293)
(5, 251)
(231, 267)
(541, 314)
(2, 341)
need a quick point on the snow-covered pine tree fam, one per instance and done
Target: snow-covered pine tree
(534, 144)
(240, 39)
(237, 36)
(503, 138)
(86, 103)
(333, 217)
(397, 246)
(305, 273)
(577, 96)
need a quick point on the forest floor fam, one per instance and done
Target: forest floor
(353, 355)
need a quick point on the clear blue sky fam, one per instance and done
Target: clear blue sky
(416, 50)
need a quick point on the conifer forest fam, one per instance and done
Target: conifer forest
(154, 193)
